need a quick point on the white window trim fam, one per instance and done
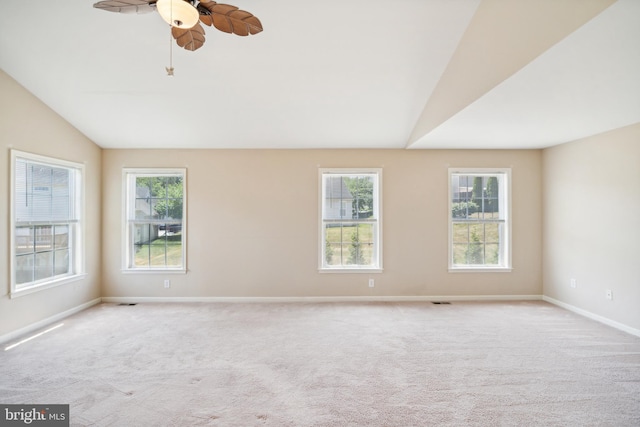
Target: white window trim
(78, 249)
(378, 190)
(125, 226)
(508, 226)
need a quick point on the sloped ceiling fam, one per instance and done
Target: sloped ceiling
(336, 74)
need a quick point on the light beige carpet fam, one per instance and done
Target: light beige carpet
(330, 364)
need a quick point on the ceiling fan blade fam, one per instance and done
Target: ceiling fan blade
(189, 38)
(126, 6)
(228, 18)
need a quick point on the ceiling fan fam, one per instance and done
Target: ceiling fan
(185, 17)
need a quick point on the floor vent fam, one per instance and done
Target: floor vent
(128, 303)
(440, 302)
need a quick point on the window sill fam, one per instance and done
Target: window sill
(481, 270)
(350, 270)
(154, 270)
(15, 293)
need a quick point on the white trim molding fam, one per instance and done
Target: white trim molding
(341, 218)
(504, 263)
(426, 298)
(46, 322)
(593, 316)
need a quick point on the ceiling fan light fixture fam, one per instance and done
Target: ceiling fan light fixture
(178, 13)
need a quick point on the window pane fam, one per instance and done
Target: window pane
(333, 253)
(60, 208)
(361, 191)
(157, 185)
(61, 262)
(464, 210)
(44, 265)
(460, 254)
(24, 240)
(60, 195)
(44, 238)
(347, 256)
(168, 208)
(492, 254)
(174, 250)
(461, 233)
(142, 208)
(349, 244)
(174, 208)
(158, 209)
(24, 268)
(365, 233)
(163, 196)
(141, 257)
(338, 203)
(144, 233)
(158, 253)
(333, 232)
(349, 197)
(359, 247)
(21, 204)
(461, 188)
(475, 197)
(492, 233)
(476, 233)
(40, 191)
(165, 251)
(40, 209)
(61, 239)
(475, 254)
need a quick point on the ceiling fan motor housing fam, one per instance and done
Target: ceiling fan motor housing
(178, 13)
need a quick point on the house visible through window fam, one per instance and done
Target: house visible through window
(46, 221)
(479, 219)
(155, 226)
(350, 219)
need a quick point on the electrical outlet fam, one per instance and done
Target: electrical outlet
(371, 283)
(574, 283)
(609, 294)
(167, 283)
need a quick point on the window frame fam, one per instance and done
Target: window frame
(76, 243)
(129, 176)
(506, 244)
(377, 267)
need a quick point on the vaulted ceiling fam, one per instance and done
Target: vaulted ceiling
(336, 74)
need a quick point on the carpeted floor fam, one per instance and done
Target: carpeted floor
(330, 364)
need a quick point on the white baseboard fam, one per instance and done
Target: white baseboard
(592, 316)
(126, 300)
(45, 322)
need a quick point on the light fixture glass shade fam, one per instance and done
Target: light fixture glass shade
(178, 13)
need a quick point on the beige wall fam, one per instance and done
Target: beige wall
(26, 124)
(253, 224)
(591, 229)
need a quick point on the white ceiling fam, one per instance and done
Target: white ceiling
(335, 74)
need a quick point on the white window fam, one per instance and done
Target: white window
(350, 218)
(479, 219)
(155, 226)
(46, 222)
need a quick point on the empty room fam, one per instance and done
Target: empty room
(410, 213)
